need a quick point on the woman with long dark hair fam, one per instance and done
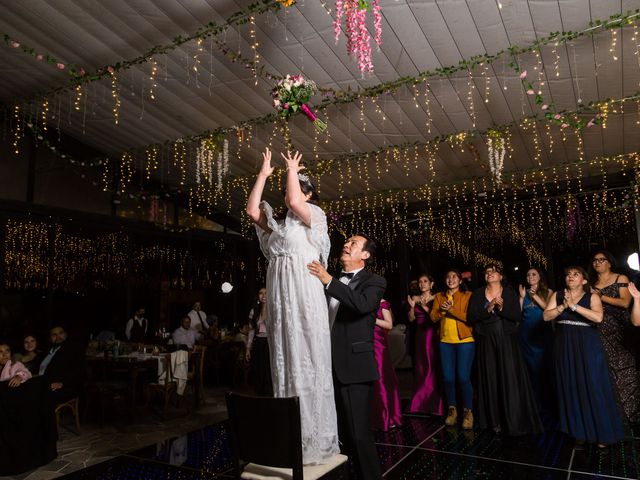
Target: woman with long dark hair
(506, 402)
(536, 335)
(386, 412)
(427, 393)
(612, 288)
(587, 405)
(258, 347)
(31, 355)
(457, 347)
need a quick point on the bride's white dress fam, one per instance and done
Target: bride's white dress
(299, 334)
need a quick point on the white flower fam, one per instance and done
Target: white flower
(287, 87)
(297, 83)
(276, 103)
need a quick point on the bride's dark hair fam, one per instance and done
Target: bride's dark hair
(307, 188)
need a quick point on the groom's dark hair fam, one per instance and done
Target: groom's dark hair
(369, 246)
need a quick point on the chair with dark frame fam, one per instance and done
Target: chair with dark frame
(267, 441)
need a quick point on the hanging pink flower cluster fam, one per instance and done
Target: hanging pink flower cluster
(358, 38)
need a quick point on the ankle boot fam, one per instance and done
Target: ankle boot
(452, 417)
(467, 419)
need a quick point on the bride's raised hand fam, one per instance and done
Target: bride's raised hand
(266, 170)
(293, 162)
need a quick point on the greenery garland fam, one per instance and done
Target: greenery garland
(324, 166)
(80, 76)
(334, 96)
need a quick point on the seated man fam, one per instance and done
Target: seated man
(15, 372)
(63, 366)
(184, 335)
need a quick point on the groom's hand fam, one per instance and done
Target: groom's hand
(316, 268)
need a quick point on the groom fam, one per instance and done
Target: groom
(354, 299)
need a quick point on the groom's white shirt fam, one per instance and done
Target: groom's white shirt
(334, 304)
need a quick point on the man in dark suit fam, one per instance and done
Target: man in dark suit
(63, 367)
(354, 298)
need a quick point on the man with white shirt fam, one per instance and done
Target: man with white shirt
(198, 319)
(184, 335)
(354, 298)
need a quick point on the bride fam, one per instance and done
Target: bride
(298, 332)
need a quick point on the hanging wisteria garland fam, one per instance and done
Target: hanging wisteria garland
(223, 164)
(357, 35)
(497, 149)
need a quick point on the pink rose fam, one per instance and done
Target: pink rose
(564, 125)
(545, 106)
(82, 72)
(60, 66)
(523, 75)
(110, 69)
(286, 106)
(530, 92)
(15, 44)
(590, 124)
(557, 116)
(39, 57)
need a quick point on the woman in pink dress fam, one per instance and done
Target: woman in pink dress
(427, 389)
(13, 372)
(386, 412)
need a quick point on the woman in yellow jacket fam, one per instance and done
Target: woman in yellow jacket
(457, 347)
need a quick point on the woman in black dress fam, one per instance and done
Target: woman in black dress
(617, 340)
(257, 352)
(506, 402)
(31, 356)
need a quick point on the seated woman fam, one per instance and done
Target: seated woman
(16, 373)
(31, 355)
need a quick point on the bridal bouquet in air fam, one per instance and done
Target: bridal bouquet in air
(292, 94)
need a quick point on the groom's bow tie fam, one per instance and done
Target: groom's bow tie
(348, 275)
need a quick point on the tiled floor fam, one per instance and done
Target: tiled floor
(421, 449)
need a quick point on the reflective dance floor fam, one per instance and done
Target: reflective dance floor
(421, 449)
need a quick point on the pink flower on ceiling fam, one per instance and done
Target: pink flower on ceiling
(544, 107)
(82, 72)
(530, 92)
(523, 75)
(110, 69)
(557, 116)
(15, 44)
(60, 66)
(39, 57)
(564, 125)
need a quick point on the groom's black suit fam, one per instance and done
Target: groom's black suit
(354, 367)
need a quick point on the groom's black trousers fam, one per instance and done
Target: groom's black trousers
(353, 405)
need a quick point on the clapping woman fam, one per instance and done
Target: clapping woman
(506, 402)
(536, 335)
(612, 289)
(587, 406)
(427, 396)
(457, 347)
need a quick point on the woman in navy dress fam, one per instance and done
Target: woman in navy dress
(536, 337)
(587, 406)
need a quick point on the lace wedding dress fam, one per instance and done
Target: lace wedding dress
(299, 334)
